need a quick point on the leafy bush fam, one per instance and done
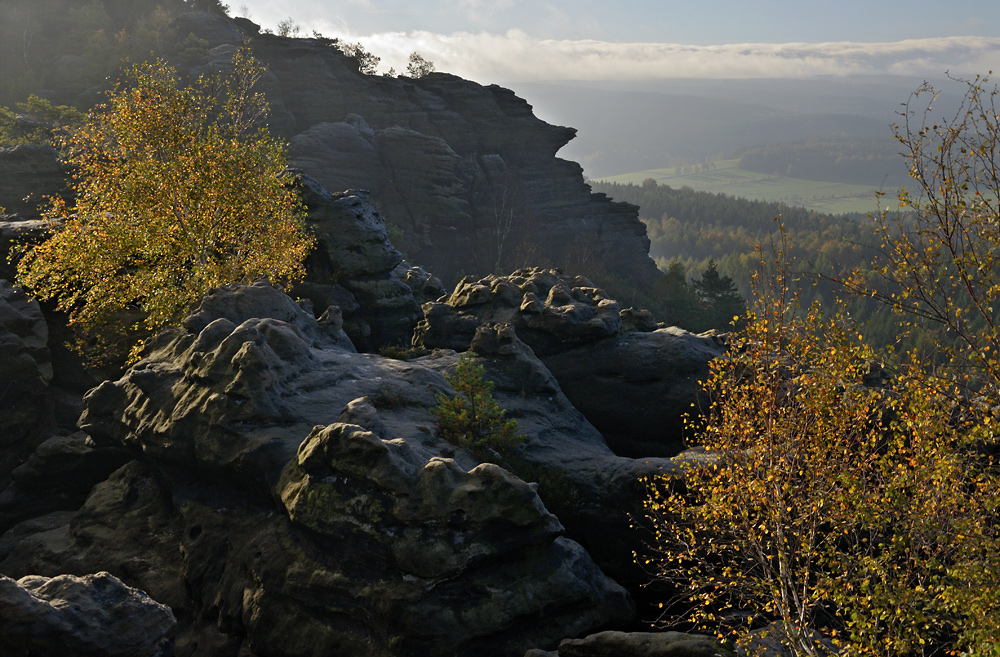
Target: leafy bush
(418, 67)
(840, 500)
(363, 61)
(178, 191)
(400, 352)
(939, 263)
(472, 418)
(36, 122)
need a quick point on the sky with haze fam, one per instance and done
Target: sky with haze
(519, 40)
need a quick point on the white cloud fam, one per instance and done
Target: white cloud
(515, 56)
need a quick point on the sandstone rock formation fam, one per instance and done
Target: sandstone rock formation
(632, 382)
(637, 644)
(355, 269)
(292, 498)
(57, 476)
(26, 406)
(451, 163)
(28, 173)
(89, 616)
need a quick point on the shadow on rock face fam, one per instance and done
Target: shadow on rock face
(632, 380)
(291, 497)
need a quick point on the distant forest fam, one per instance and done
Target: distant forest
(694, 227)
(859, 161)
(688, 230)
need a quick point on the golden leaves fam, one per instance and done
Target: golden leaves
(865, 508)
(179, 190)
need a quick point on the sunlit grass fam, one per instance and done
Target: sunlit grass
(728, 178)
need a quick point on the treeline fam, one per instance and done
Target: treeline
(695, 227)
(870, 161)
(689, 230)
(64, 50)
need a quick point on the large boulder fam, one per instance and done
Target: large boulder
(551, 312)
(89, 616)
(638, 387)
(292, 497)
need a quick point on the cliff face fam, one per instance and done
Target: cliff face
(465, 173)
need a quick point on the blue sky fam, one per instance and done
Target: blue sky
(506, 40)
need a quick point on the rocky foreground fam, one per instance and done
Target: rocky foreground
(259, 484)
(263, 482)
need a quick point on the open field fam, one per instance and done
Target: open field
(728, 178)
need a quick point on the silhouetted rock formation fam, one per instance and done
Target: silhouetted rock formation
(452, 163)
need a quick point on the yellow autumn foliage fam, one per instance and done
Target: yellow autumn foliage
(178, 190)
(845, 508)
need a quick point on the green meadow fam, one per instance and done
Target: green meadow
(727, 178)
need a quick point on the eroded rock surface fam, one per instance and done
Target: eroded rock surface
(356, 269)
(26, 406)
(292, 498)
(637, 644)
(632, 381)
(89, 616)
(57, 476)
(450, 163)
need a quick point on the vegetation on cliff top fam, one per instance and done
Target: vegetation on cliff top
(178, 191)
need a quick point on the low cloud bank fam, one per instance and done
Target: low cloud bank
(516, 56)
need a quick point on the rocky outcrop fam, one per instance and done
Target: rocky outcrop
(632, 381)
(28, 173)
(637, 644)
(636, 388)
(292, 497)
(451, 163)
(57, 476)
(424, 285)
(89, 616)
(26, 405)
(551, 312)
(355, 270)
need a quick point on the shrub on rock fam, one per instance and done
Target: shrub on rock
(178, 191)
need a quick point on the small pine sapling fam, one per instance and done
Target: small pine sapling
(472, 418)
